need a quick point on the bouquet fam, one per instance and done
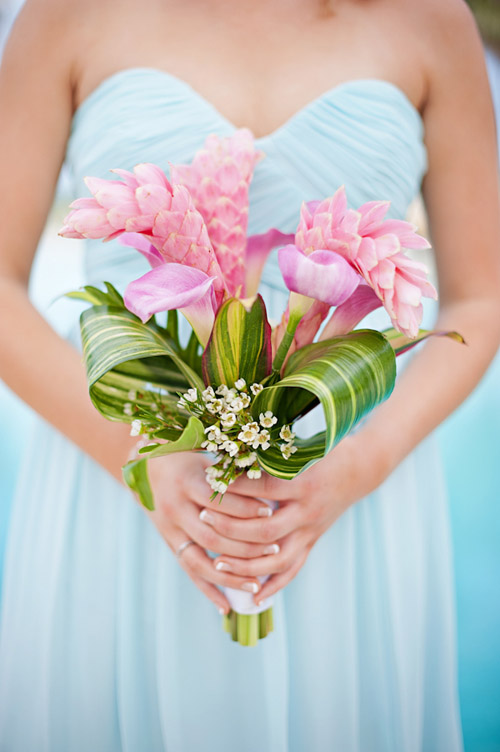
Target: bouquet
(236, 386)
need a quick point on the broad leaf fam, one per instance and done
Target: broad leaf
(122, 354)
(400, 343)
(348, 375)
(239, 346)
(135, 473)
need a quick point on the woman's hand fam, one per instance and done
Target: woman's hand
(181, 493)
(308, 506)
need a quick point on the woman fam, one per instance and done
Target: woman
(105, 644)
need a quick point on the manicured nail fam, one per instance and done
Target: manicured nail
(272, 549)
(207, 517)
(264, 511)
(250, 587)
(222, 566)
(222, 611)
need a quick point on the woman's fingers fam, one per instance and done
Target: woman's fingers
(198, 565)
(264, 531)
(234, 505)
(198, 525)
(287, 551)
(278, 581)
(266, 487)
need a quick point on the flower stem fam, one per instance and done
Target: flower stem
(248, 629)
(286, 342)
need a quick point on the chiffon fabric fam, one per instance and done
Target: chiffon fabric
(105, 643)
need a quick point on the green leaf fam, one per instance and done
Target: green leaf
(123, 354)
(239, 346)
(95, 296)
(400, 343)
(348, 375)
(135, 473)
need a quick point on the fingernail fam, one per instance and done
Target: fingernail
(264, 511)
(207, 517)
(250, 587)
(272, 549)
(222, 611)
(222, 566)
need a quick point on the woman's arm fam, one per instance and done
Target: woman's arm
(36, 107)
(462, 199)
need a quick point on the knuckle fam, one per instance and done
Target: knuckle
(268, 531)
(209, 539)
(225, 526)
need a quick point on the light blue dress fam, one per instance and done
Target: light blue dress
(105, 643)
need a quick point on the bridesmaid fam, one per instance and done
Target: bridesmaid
(146, 667)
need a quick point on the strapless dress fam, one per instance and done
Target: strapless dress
(105, 643)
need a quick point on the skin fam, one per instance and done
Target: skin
(433, 53)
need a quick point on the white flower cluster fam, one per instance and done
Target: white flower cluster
(234, 434)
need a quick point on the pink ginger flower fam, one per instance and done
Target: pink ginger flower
(218, 179)
(374, 246)
(144, 202)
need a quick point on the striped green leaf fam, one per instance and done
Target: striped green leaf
(135, 473)
(400, 343)
(347, 375)
(239, 346)
(122, 354)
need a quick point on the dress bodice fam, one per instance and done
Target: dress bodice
(365, 134)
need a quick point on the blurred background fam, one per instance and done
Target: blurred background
(470, 441)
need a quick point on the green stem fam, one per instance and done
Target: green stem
(286, 342)
(172, 326)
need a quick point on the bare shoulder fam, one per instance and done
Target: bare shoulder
(448, 38)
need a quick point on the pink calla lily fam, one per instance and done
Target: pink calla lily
(321, 275)
(257, 250)
(175, 286)
(345, 317)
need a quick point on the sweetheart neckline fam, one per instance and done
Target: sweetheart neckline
(180, 82)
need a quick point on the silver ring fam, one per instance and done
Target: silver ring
(182, 548)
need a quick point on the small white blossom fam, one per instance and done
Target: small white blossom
(254, 473)
(153, 406)
(256, 388)
(222, 390)
(245, 399)
(229, 396)
(215, 406)
(214, 472)
(240, 384)
(287, 450)
(228, 420)
(219, 486)
(214, 429)
(191, 395)
(231, 447)
(135, 428)
(248, 432)
(286, 434)
(210, 446)
(262, 440)
(208, 394)
(245, 460)
(267, 419)
(237, 405)
(127, 408)
(132, 395)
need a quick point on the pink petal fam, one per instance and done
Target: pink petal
(142, 244)
(322, 275)
(153, 198)
(176, 286)
(108, 193)
(147, 173)
(257, 250)
(345, 317)
(372, 214)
